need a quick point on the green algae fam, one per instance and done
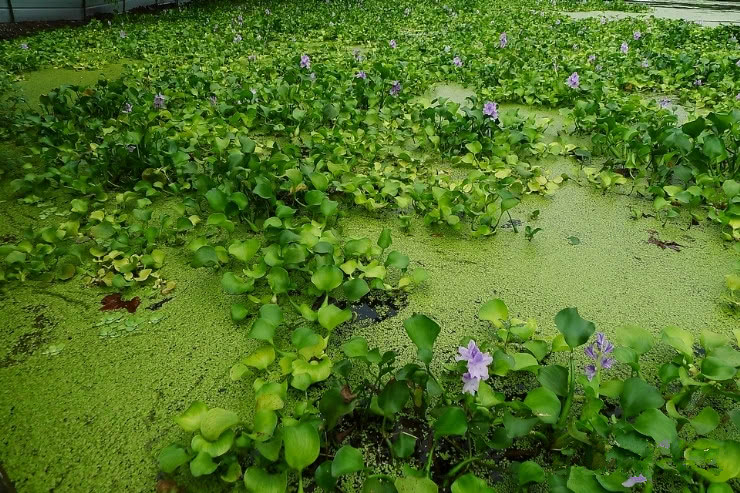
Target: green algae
(37, 83)
(614, 276)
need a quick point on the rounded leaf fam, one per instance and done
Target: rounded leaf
(301, 445)
(216, 421)
(346, 461)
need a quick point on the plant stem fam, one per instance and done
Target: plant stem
(431, 454)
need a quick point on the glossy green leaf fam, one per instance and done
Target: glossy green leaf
(346, 461)
(452, 421)
(301, 443)
(575, 329)
(544, 404)
(422, 331)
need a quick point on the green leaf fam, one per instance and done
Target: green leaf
(323, 476)
(706, 421)
(679, 339)
(172, 457)
(640, 340)
(234, 285)
(202, 465)
(257, 480)
(714, 148)
(583, 480)
(301, 444)
(239, 312)
(544, 404)
(263, 426)
(555, 378)
(244, 250)
(354, 289)
(452, 421)
(216, 448)
(261, 358)
(327, 277)
(393, 397)
(731, 188)
(495, 311)
(422, 331)
(397, 260)
(330, 316)
(233, 473)
(102, 231)
(475, 147)
(262, 330)
(378, 485)
(715, 460)
(530, 472)
(384, 240)
(412, 484)
(279, 280)
(346, 461)
(404, 445)
(638, 395)
(205, 256)
(469, 483)
(216, 199)
(517, 427)
(216, 421)
(191, 418)
(656, 425)
(575, 329)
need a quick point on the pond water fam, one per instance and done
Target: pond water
(707, 13)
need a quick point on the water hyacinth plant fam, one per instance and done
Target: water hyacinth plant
(292, 255)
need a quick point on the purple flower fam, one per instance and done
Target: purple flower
(737, 98)
(477, 361)
(636, 35)
(131, 148)
(457, 62)
(624, 48)
(606, 362)
(127, 108)
(267, 12)
(634, 480)
(238, 38)
(447, 50)
(159, 101)
(575, 46)
(395, 88)
(253, 91)
(122, 34)
(213, 100)
(557, 22)
(590, 372)
(503, 40)
(598, 68)
(305, 61)
(591, 58)
(605, 347)
(393, 43)
(491, 109)
(665, 103)
(573, 81)
(240, 19)
(645, 63)
(361, 75)
(470, 384)
(252, 57)
(591, 352)
(664, 444)
(698, 82)
(312, 76)
(24, 46)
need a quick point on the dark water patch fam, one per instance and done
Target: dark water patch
(115, 302)
(26, 345)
